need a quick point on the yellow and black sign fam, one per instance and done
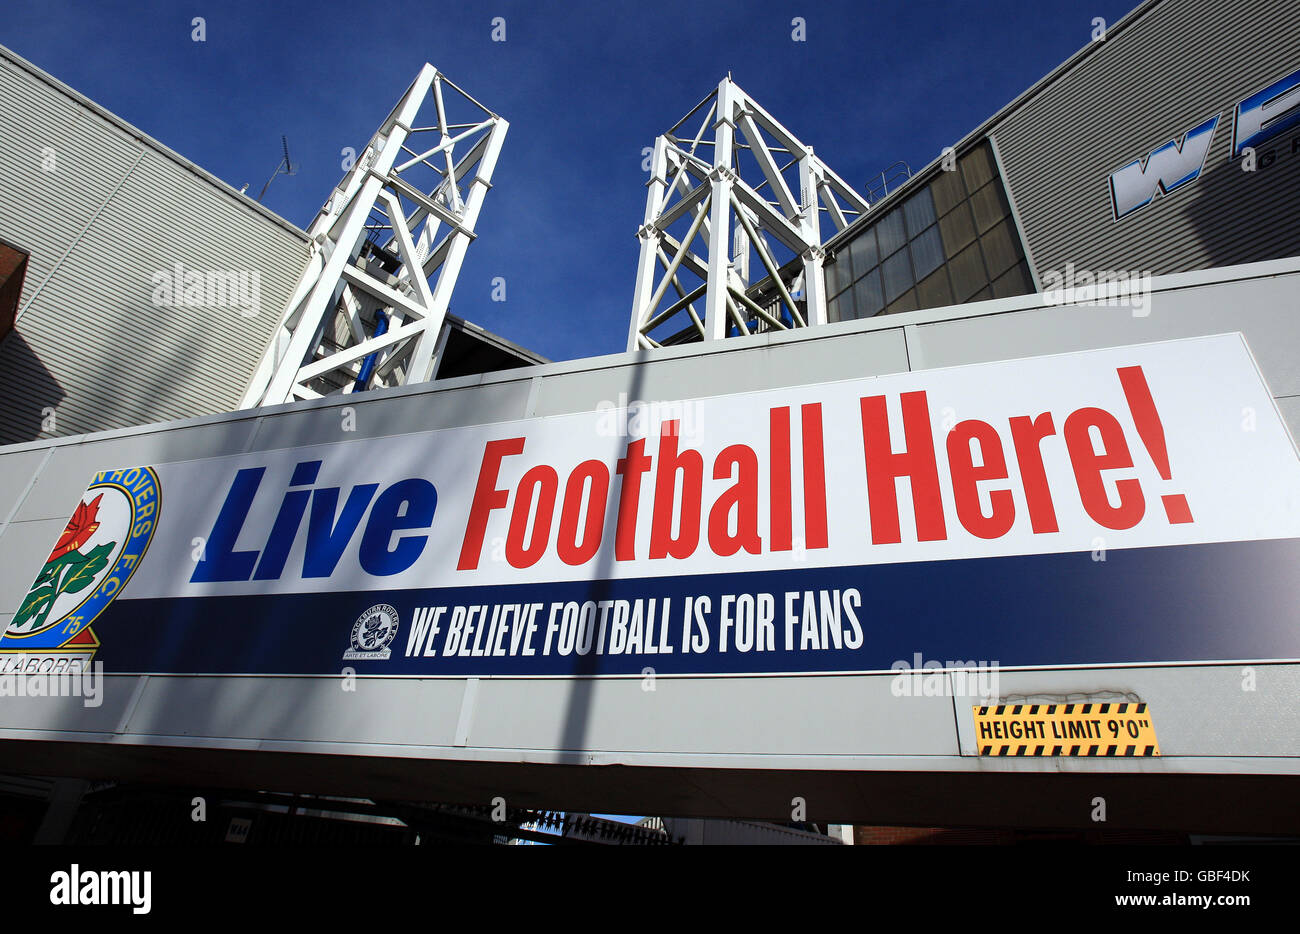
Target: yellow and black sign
(1065, 730)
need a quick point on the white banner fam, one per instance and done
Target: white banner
(1159, 444)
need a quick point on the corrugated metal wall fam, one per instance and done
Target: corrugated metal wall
(100, 209)
(1173, 66)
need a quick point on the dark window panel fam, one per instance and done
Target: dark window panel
(1001, 249)
(1015, 281)
(947, 191)
(839, 273)
(840, 308)
(927, 253)
(934, 291)
(919, 211)
(897, 274)
(977, 166)
(867, 296)
(990, 206)
(863, 251)
(891, 233)
(982, 295)
(968, 274)
(905, 302)
(958, 230)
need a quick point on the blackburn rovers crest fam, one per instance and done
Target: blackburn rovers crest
(101, 546)
(372, 633)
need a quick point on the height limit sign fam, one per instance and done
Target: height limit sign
(1118, 730)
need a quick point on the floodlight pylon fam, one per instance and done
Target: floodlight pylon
(708, 216)
(386, 250)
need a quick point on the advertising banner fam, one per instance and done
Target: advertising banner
(1131, 505)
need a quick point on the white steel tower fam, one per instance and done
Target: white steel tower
(719, 199)
(387, 247)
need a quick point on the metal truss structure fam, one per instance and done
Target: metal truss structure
(717, 201)
(370, 307)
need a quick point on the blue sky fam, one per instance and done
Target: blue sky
(584, 85)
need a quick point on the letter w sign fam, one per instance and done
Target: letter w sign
(1165, 169)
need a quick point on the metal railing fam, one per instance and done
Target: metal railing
(897, 174)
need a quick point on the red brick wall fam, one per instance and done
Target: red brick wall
(892, 836)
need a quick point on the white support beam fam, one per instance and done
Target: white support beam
(720, 180)
(379, 290)
(341, 358)
(837, 213)
(792, 235)
(769, 167)
(649, 236)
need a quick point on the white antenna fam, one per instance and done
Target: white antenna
(285, 167)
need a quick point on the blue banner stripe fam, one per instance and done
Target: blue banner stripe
(1187, 603)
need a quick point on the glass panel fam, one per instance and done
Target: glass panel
(990, 206)
(920, 212)
(866, 295)
(840, 308)
(891, 233)
(1001, 249)
(1015, 281)
(948, 191)
(977, 166)
(967, 271)
(863, 250)
(897, 273)
(927, 253)
(958, 230)
(934, 291)
(839, 272)
(905, 303)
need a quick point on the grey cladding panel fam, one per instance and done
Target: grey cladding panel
(71, 466)
(1196, 711)
(732, 369)
(420, 711)
(102, 715)
(1176, 65)
(373, 415)
(1290, 409)
(114, 212)
(59, 164)
(873, 354)
(619, 715)
(1272, 337)
(16, 471)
